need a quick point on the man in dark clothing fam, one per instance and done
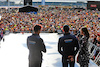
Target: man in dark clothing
(68, 47)
(36, 46)
(1, 34)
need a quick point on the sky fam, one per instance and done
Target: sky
(18, 1)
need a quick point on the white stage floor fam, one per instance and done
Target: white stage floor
(14, 52)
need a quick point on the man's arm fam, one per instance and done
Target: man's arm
(27, 43)
(43, 48)
(60, 47)
(77, 46)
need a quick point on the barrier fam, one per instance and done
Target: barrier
(97, 59)
(94, 52)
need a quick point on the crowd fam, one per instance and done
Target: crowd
(52, 20)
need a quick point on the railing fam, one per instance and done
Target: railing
(94, 53)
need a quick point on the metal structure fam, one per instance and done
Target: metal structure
(21, 2)
(92, 51)
(8, 5)
(43, 2)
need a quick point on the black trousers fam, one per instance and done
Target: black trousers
(65, 62)
(35, 63)
(35, 60)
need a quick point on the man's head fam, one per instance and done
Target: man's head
(66, 28)
(37, 29)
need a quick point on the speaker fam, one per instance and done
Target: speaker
(27, 2)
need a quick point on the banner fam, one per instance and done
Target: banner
(93, 5)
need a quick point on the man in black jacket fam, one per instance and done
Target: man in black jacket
(36, 47)
(68, 47)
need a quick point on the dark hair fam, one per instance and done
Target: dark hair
(37, 28)
(85, 31)
(66, 28)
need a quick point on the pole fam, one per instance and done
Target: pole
(8, 6)
(43, 2)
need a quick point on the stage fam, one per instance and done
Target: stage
(14, 52)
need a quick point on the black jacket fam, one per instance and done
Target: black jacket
(68, 45)
(35, 45)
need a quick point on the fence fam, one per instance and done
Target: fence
(94, 53)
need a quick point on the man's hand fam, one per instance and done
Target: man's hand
(71, 58)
